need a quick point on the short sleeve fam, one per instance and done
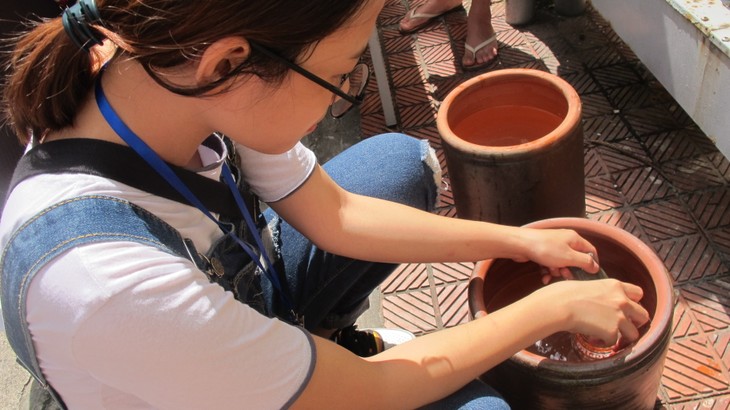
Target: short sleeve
(273, 177)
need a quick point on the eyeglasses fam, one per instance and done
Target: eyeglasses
(348, 94)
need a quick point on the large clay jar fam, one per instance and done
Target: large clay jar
(628, 380)
(513, 142)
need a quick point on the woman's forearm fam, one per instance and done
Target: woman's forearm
(389, 232)
(432, 366)
(373, 229)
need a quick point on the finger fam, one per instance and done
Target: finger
(583, 246)
(608, 338)
(565, 273)
(545, 275)
(636, 317)
(637, 314)
(628, 330)
(595, 264)
(634, 292)
(588, 262)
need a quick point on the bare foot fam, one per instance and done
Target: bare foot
(478, 30)
(421, 14)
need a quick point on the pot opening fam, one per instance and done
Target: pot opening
(507, 112)
(507, 281)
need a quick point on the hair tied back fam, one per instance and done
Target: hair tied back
(77, 21)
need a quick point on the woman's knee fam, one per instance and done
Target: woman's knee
(390, 166)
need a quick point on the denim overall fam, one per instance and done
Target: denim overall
(328, 290)
(59, 228)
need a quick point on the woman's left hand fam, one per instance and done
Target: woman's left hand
(556, 249)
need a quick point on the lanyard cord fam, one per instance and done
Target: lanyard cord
(167, 173)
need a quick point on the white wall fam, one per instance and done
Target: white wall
(685, 44)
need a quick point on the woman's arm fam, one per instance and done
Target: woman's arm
(436, 365)
(372, 229)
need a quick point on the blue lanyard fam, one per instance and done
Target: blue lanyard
(154, 160)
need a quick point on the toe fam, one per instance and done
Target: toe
(486, 54)
(468, 59)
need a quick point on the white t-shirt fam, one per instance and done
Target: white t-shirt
(123, 325)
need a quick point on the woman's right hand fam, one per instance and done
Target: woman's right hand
(604, 309)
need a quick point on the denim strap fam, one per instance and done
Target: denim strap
(71, 223)
(259, 256)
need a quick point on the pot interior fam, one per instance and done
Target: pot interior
(507, 111)
(507, 281)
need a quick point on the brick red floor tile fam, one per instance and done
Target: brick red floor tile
(601, 194)
(692, 370)
(683, 322)
(615, 76)
(605, 129)
(413, 94)
(642, 184)
(710, 403)
(711, 207)
(721, 238)
(449, 273)
(648, 170)
(721, 342)
(407, 277)
(689, 258)
(622, 218)
(453, 308)
(652, 119)
(595, 104)
(692, 174)
(710, 304)
(622, 155)
(665, 219)
(677, 144)
(413, 311)
(592, 164)
(721, 163)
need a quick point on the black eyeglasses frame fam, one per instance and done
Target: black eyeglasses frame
(310, 76)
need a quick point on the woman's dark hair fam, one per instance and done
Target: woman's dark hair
(49, 76)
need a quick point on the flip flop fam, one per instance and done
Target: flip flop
(428, 16)
(474, 50)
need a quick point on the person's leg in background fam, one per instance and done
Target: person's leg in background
(481, 46)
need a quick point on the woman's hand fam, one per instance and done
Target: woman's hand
(605, 309)
(556, 249)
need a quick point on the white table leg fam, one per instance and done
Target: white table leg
(386, 98)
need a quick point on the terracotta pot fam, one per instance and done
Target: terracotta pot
(629, 379)
(513, 142)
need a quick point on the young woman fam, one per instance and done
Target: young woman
(138, 271)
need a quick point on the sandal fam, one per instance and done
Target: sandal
(428, 16)
(475, 50)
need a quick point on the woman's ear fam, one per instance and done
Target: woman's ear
(220, 58)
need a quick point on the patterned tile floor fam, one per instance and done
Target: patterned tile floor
(648, 169)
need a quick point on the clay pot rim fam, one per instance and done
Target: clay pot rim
(660, 323)
(570, 122)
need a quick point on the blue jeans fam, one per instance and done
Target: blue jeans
(474, 396)
(331, 291)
